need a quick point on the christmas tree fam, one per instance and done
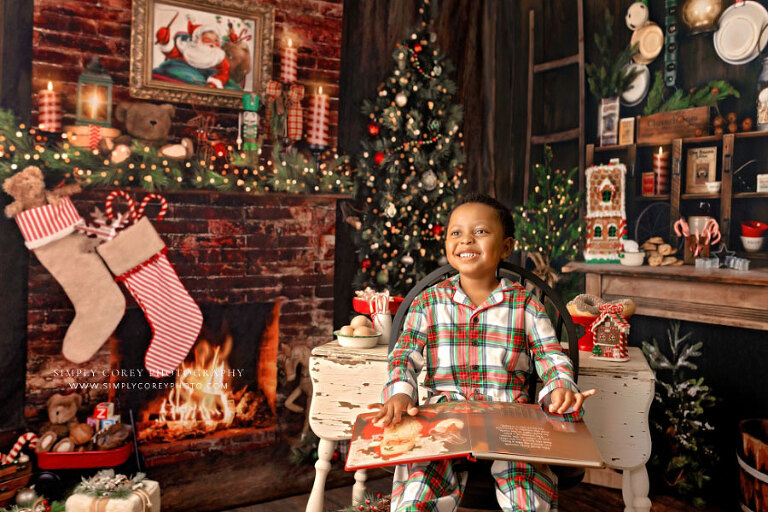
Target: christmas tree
(410, 170)
(547, 226)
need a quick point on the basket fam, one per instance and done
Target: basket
(12, 478)
(83, 460)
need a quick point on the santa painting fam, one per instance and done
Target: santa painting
(205, 54)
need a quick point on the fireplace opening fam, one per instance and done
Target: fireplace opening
(221, 397)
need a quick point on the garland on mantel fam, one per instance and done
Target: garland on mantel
(289, 171)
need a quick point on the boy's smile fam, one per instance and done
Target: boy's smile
(475, 241)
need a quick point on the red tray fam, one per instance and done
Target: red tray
(82, 460)
(361, 306)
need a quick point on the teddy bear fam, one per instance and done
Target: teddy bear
(27, 188)
(62, 416)
(150, 125)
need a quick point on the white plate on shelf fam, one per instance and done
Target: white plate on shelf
(741, 34)
(639, 87)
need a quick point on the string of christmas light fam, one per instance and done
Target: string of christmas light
(411, 166)
(225, 170)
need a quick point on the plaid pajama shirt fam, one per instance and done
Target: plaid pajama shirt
(476, 353)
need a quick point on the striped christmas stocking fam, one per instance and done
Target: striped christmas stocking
(49, 231)
(137, 257)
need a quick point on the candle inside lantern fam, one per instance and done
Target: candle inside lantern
(288, 59)
(318, 119)
(49, 106)
(661, 171)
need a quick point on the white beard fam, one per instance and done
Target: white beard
(200, 56)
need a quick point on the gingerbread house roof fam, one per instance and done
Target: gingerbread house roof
(620, 321)
(598, 177)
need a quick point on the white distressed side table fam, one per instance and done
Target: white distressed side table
(346, 380)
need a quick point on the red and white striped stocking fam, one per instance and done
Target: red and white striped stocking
(137, 257)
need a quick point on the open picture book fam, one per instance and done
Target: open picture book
(478, 430)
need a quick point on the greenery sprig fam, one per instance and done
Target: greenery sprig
(609, 76)
(706, 96)
(106, 484)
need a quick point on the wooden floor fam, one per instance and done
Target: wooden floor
(582, 498)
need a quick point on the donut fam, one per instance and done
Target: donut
(585, 305)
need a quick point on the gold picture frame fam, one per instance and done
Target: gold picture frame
(184, 63)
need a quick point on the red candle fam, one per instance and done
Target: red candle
(661, 170)
(318, 119)
(49, 106)
(288, 58)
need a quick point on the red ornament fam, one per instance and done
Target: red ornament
(365, 265)
(437, 230)
(219, 150)
(378, 157)
(373, 129)
(417, 47)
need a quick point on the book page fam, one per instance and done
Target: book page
(435, 433)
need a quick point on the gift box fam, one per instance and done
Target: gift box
(144, 499)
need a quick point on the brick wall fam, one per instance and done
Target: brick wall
(68, 32)
(226, 248)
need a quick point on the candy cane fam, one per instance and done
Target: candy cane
(681, 228)
(148, 198)
(30, 437)
(714, 228)
(124, 195)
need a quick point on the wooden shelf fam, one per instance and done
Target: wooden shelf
(750, 195)
(704, 138)
(622, 147)
(700, 195)
(753, 255)
(656, 197)
(751, 135)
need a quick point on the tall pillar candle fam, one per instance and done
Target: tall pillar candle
(661, 170)
(318, 119)
(288, 63)
(49, 107)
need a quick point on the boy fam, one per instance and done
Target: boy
(479, 338)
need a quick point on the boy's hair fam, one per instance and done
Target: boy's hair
(505, 216)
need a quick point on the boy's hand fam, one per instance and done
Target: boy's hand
(392, 411)
(561, 399)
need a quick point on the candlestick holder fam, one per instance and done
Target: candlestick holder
(317, 150)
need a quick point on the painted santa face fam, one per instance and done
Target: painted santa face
(210, 38)
(475, 241)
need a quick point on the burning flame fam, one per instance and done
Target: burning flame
(201, 390)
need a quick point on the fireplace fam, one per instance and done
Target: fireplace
(221, 398)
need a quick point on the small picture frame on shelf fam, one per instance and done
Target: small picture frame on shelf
(701, 168)
(626, 131)
(762, 183)
(608, 121)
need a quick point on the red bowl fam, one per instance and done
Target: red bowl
(753, 228)
(82, 460)
(361, 306)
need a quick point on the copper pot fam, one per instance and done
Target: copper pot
(701, 15)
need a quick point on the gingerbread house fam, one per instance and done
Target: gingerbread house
(606, 217)
(611, 333)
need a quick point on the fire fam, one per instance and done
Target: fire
(201, 392)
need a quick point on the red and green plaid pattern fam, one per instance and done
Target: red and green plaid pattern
(483, 353)
(435, 486)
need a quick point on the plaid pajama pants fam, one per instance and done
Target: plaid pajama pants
(434, 486)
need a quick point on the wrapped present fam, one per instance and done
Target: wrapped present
(143, 496)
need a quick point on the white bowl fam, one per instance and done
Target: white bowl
(632, 259)
(713, 186)
(357, 341)
(752, 243)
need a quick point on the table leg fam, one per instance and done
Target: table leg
(358, 490)
(635, 488)
(325, 450)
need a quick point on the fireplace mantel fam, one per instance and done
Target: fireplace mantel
(711, 296)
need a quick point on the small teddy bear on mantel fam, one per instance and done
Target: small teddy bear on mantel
(62, 432)
(27, 188)
(149, 124)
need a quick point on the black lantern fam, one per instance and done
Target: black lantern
(94, 95)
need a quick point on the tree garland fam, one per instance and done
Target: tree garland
(106, 484)
(146, 168)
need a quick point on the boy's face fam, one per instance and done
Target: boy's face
(475, 242)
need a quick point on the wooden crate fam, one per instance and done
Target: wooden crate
(663, 127)
(12, 478)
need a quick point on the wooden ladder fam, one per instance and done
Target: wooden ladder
(561, 136)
